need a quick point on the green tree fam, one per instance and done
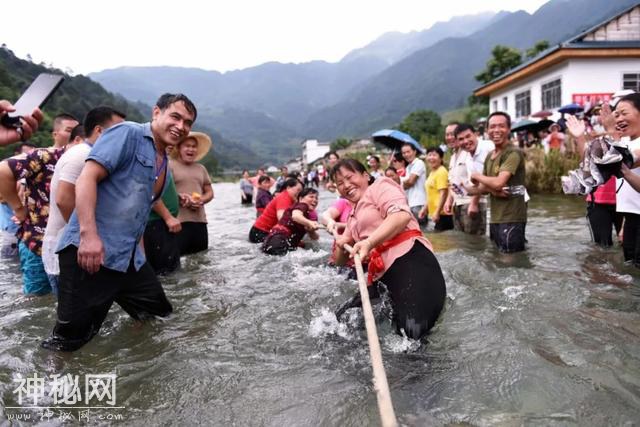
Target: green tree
(540, 46)
(421, 123)
(503, 59)
(339, 144)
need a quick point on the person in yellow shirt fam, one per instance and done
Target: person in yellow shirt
(437, 185)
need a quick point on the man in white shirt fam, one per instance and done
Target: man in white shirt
(63, 184)
(472, 215)
(414, 180)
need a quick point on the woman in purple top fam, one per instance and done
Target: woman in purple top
(287, 234)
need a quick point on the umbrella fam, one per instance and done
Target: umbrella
(524, 124)
(394, 139)
(570, 109)
(542, 114)
(544, 124)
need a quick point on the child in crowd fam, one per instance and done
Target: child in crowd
(264, 196)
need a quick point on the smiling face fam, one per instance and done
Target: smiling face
(498, 130)
(449, 136)
(188, 150)
(351, 185)
(310, 199)
(408, 153)
(467, 140)
(627, 119)
(171, 125)
(332, 160)
(434, 160)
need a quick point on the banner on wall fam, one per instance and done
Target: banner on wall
(588, 99)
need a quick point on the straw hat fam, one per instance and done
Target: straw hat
(203, 145)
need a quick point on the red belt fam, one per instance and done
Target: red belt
(376, 265)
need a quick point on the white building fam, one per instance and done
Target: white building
(313, 150)
(585, 69)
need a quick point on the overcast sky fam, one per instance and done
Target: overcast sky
(88, 36)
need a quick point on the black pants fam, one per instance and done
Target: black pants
(277, 244)
(248, 199)
(445, 223)
(631, 238)
(161, 247)
(417, 290)
(85, 299)
(602, 219)
(508, 237)
(256, 235)
(193, 238)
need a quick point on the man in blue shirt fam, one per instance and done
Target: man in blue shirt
(99, 253)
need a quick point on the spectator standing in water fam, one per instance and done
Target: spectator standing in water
(413, 181)
(264, 196)
(436, 188)
(246, 188)
(193, 185)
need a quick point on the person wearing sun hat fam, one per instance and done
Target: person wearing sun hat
(194, 191)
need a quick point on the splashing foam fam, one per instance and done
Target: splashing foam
(326, 324)
(395, 343)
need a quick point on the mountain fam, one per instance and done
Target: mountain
(394, 46)
(266, 107)
(441, 76)
(78, 94)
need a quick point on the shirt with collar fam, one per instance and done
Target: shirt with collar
(124, 197)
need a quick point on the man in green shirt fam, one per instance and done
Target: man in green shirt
(503, 178)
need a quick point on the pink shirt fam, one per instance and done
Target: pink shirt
(344, 207)
(383, 197)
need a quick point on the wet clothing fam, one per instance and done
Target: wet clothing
(287, 234)
(444, 223)
(269, 216)
(603, 218)
(247, 190)
(507, 209)
(124, 198)
(85, 299)
(417, 290)
(160, 245)
(193, 238)
(628, 202)
(190, 178)
(34, 278)
(508, 237)
(8, 229)
(470, 224)
(256, 235)
(262, 200)
(631, 240)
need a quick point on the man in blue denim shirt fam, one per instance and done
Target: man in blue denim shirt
(99, 254)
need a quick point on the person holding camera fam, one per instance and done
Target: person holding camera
(9, 135)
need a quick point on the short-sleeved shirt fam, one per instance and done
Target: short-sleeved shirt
(68, 170)
(415, 194)
(459, 175)
(507, 209)
(36, 169)
(382, 198)
(344, 207)
(124, 197)
(297, 230)
(246, 186)
(269, 217)
(190, 178)
(262, 199)
(170, 200)
(475, 163)
(436, 181)
(628, 199)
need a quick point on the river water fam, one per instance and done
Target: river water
(548, 337)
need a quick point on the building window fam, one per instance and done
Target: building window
(505, 104)
(523, 103)
(551, 95)
(631, 81)
(495, 106)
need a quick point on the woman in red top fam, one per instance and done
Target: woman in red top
(287, 234)
(382, 228)
(274, 210)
